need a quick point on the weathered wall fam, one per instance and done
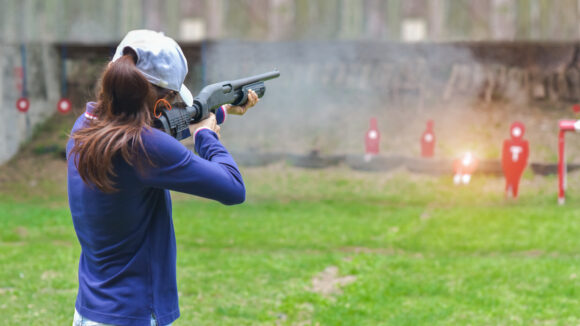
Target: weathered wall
(93, 21)
(324, 81)
(327, 92)
(43, 93)
(485, 70)
(346, 48)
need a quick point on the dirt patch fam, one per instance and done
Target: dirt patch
(329, 283)
(62, 243)
(49, 275)
(39, 169)
(534, 253)
(21, 231)
(365, 250)
(33, 176)
(6, 290)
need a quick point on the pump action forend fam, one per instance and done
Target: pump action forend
(176, 121)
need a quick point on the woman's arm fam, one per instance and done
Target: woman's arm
(213, 174)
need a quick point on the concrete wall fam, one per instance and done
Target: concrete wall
(41, 24)
(84, 21)
(328, 90)
(93, 21)
(43, 93)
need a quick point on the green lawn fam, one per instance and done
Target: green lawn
(415, 250)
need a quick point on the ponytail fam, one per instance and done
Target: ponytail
(123, 109)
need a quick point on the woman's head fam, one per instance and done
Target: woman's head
(159, 58)
(125, 94)
(147, 66)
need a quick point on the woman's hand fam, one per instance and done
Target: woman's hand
(209, 123)
(241, 110)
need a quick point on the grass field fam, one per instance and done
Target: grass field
(321, 247)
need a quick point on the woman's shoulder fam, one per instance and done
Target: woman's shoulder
(159, 143)
(153, 136)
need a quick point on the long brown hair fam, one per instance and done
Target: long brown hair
(124, 108)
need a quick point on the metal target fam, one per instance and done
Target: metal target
(23, 104)
(64, 106)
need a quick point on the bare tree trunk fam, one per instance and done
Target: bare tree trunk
(394, 18)
(281, 19)
(351, 18)
(534, 19)
(437, 19)
(151, 14)
(577, 16)
(503, 20)
(375, 23)
(215, 12)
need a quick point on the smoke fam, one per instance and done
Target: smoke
(328, 91)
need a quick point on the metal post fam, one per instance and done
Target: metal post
(565, 125)
(23, 60)
(63, 85)
(203, 62)
(561, 168)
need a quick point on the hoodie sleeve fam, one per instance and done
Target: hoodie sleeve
(213, 174)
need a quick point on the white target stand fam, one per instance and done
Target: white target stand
(565, 126)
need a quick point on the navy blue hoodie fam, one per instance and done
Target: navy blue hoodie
(127, 267)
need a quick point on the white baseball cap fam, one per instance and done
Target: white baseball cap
(159, 59)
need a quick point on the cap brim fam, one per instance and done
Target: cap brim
(186, 95)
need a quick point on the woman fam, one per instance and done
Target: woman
(120, 171)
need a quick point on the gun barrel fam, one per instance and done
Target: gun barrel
(176, 122)
(252, 79)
